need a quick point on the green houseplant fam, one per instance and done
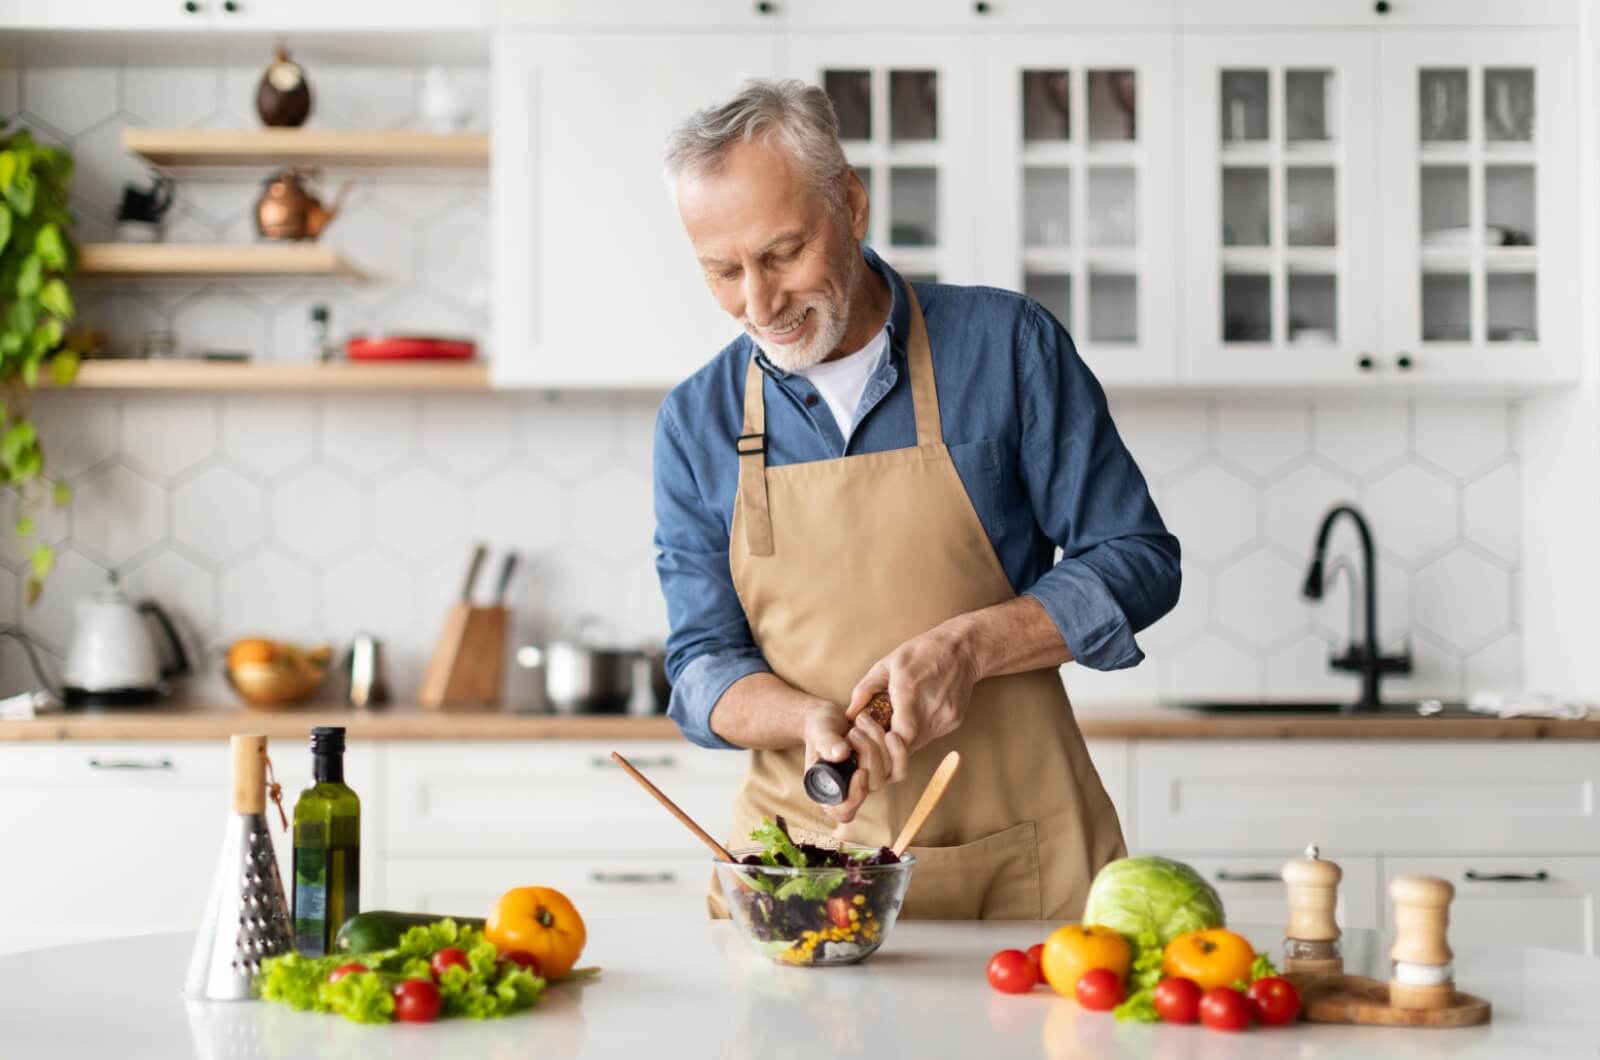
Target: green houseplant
(37, 256)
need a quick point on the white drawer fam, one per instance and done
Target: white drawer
(1111, 762)
(1361, 796)
(635, 886)
(1521, 901)
(1252, 889)
(494, 799)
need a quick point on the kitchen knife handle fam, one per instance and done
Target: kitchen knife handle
(659, 762)
(1225, 876)
(479, 551)
(508, 567)
(1474, 876)
(162, 763)
(633, 877)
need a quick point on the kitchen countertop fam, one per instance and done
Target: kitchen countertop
(1105, 723)
(681, 987)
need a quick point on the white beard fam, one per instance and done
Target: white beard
(832, 320)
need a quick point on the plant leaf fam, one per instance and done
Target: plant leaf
(50, 247)
(30, 276)
(30, 373)
(61, 494)
(55, 297)
(34, 590)
(5, 224)
(25, 527)
(43, 560)
(8, 169)
(21, 192)
(19, 436)
(64, 368)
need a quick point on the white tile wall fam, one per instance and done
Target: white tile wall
(310, 518)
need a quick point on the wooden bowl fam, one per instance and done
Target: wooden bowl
(273, 685)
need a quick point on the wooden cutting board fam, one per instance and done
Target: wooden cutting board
(1357, 999)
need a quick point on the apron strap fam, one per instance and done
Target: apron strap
(752, 446)
(919, 362)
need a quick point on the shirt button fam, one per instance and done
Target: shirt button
(811, 401)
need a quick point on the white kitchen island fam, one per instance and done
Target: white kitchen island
(682, 987)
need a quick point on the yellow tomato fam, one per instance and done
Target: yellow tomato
(540, 921)
(1077, 948)
(1217, 957)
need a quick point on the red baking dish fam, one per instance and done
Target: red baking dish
(409, 348)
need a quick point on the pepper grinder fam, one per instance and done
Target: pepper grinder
(1311, 939)
(827, 783)
(1422, 977)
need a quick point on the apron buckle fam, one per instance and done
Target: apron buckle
(760, 446)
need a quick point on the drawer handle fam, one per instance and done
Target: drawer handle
(642, 762)
(1474, 876)
(130, 763)
(1224, 876)
(633, 877)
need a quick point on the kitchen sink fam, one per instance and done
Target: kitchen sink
(1330, 707)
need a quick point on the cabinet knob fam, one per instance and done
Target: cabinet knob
(1403, 362)
(981, 7)
(191, 7)
(1381, 7)
(230, 6)
(1364, 362)
(765, 7)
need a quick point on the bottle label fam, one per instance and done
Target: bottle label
(310, 901)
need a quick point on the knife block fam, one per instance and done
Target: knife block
(468, 661)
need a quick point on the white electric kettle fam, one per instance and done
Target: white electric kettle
(113, 660)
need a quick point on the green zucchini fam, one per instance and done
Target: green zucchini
(380, 929)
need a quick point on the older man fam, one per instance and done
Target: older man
(865, 492)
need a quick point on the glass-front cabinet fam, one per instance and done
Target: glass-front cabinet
(1479, 135)
(905, 107)
(1078, 190)
(1282, 280)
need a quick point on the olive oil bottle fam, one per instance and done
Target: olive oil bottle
(327, 848)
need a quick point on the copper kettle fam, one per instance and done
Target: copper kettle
(288, 210)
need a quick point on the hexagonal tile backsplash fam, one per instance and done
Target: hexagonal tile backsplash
(310, 517)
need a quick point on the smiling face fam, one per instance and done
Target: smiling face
(776, 255)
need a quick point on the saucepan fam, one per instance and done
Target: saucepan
(582, 675)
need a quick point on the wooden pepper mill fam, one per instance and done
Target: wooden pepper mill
(1423, 977)
(1311, 939)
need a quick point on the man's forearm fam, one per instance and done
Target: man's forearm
(762, 711)
(1010, 638)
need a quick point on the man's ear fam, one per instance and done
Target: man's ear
(856, 204)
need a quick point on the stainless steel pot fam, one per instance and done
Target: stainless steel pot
(579, 678)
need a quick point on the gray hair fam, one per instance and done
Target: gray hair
(799, 115)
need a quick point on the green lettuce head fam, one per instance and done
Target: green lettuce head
(1152, 896)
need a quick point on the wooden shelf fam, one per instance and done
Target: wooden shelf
(200, 261)
(177, 148)
(431, 376)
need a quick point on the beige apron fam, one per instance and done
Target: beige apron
(837, 562)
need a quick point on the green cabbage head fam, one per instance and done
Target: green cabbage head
(1150, 895)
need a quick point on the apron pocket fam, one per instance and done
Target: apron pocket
(993, 878)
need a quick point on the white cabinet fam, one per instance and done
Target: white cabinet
(595, 282)
(1111, 761)
(1525, 901)
(243, 15)
(1079, 182)
(107, 15)
(1253, 891)
(602, 887)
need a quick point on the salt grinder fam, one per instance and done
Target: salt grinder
(247, 915)
(1423, 977)
(1311, 940)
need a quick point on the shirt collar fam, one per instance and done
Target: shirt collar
(899, 321)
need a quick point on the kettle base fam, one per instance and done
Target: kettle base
(109, 697)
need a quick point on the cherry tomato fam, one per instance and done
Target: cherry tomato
(449, 957)
(346, 969)
(839, 912)
(417, 1001)
(1010, 972)
(1222, 1008)
(522, 959)
(1275, 1000)
(1177, 1000)
(1100, 990)
(1036, 958)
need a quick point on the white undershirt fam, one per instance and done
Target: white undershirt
(842, 382)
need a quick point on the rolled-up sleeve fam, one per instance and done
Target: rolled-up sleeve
(709, 646)
(1118, 570)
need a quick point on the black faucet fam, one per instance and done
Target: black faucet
(1364, 658)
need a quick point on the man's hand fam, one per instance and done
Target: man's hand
(829, 735)
(929, 679)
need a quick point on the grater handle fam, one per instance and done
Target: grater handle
(249, 774)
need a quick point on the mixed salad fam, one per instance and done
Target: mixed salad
(835, 913)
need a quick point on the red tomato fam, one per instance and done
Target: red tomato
(1275, 1000)
(1177, 1000)
(449, 957)
(346, 969)
(1222, 1008)
(417, 1001)
(1035, 956)
(522, 959)
(839, 912)
(1010, 972)
(1100, 990)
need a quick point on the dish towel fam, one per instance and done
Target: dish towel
(1527, 705)
(26, 705)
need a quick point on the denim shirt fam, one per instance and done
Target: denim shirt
(1027, 427)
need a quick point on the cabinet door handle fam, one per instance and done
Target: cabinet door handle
(644, 762)
(1365, 362)
(633, 877)
(765, 7)
(1225, 876)
(230, 6)
(191, 7)
(162, 763)
(1403, 362)
(1474, 876)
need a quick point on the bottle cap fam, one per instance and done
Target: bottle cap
(327, 740)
